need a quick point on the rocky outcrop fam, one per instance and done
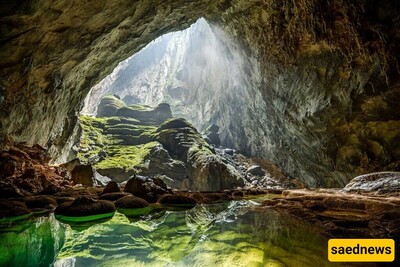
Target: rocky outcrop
(212, 134)
(149, 142)
(146, 188)
(378, 183)
(343, 215)
(25, 170)
(109, 105)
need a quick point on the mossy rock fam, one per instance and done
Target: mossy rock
(174, 124)
(109, 106)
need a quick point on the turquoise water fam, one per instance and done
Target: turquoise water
(238, 233)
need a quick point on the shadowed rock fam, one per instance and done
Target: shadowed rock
(111, 187)
(131, 202)
(113, 196)
(85, 206)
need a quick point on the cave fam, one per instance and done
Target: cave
(227, 106)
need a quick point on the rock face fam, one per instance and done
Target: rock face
(24, 170)
(311, 73)
(379, 183)
(83, 174)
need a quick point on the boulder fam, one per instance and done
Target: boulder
(83, 174)
(13, 210)
(131, 202)
(256, 170)
(41, 202)
(113, 196)
(147, 188)
(111, 187)
(85, 207)
(378, 182)
(132, 206)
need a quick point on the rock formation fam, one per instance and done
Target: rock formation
(318, 62)
(148, 141)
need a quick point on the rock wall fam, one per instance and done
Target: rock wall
(317, 61)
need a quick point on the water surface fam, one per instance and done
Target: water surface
(238, 233)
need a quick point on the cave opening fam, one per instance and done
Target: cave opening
(198, 77)
(201, 72)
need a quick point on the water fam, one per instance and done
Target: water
(238, 233)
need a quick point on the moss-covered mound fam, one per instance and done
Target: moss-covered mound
(148, 141)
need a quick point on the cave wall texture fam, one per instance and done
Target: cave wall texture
(329, 73)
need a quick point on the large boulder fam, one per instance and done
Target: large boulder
(146, 188)
(378, 182)
(256, 170)
(86, 207)
(131, 202)
(160, 162)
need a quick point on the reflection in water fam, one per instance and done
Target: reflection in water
(238, 233)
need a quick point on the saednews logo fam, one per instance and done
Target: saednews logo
(361, 250)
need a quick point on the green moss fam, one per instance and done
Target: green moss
(125, 157)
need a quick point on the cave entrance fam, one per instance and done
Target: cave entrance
(129, 121)
(201, 72)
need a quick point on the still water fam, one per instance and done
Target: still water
(238, 233)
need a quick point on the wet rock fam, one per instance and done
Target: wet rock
(85, 206)
(379, 183)
(256, 170)
(41, 202)
(83, 174)
(341, 214)
(111, 187)
(10, 208)
(177, 201)
(131, 202)
(113, 196)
